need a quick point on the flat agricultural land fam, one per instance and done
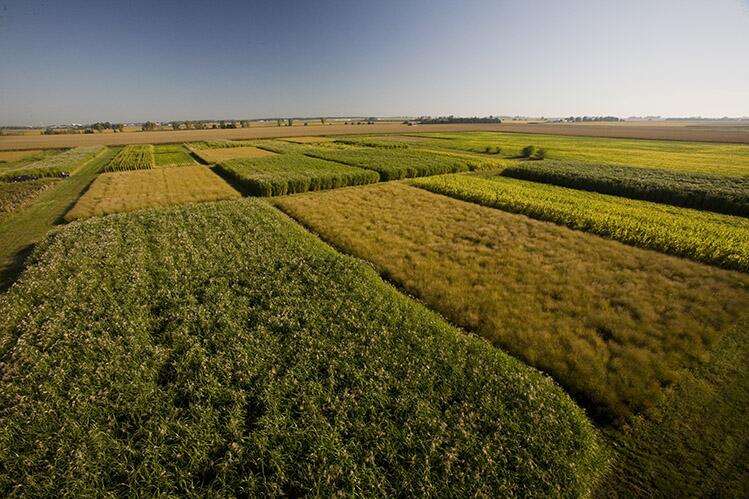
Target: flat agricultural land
(613, 324)
(13, 156)
(172, 155)
(309, 140)
(129, 191)
(222, 154)
(568, 323)
(217, 347)
(737, 134)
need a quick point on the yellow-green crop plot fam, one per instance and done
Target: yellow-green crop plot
(703, 157)
(128, 191)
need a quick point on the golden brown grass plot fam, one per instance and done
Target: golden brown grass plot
(218, 155)
(612, 323)
(128, 191)
(11, 156)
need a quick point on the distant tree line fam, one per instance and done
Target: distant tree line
(428, 120)
(580, 119)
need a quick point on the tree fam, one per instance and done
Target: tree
(291, 122)
(322, 121)
(148, 126)
(176, 125)
(279, 122)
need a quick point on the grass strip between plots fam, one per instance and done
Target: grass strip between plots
(220, 349)
(707, 237)
(717, 193)
(612, 323)
(29, 225)
(291, 173)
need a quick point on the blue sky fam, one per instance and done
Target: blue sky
(130, 60)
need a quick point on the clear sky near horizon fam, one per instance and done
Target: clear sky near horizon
(83, 61)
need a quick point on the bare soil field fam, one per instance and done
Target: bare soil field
(705, 133)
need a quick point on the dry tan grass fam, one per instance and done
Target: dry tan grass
(133, 190)
(10, 156)
(309, 140)
(612, 323)
(222, 154)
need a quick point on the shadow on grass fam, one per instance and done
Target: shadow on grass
(9, 273)
(238, 186)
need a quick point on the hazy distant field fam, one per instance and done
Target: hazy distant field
(700, 132)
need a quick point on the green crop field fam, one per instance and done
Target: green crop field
(290, 173)
(702, 236)
(393, 164)
(718, 193)
(57, 165)
(699, 157)
(132, 157)
(171, 155)
(218, 348)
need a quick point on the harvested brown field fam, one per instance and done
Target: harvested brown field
(309, 139)
(222, 154)
(632, 131)
(10, 156)
(612, 323)
(133, 190)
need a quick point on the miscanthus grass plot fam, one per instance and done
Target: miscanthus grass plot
(132, 157)
(718, 193)
(612, 323)
(220, 349)
(290, 173)
(393, 164)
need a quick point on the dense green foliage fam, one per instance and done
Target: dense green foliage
(59, 165)
(171, 155)
(703, 236)
(401, 163)
(692, 190)
(219, 144)
(132, 157)
(220, 349)
(16, 194)
(290, 173)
